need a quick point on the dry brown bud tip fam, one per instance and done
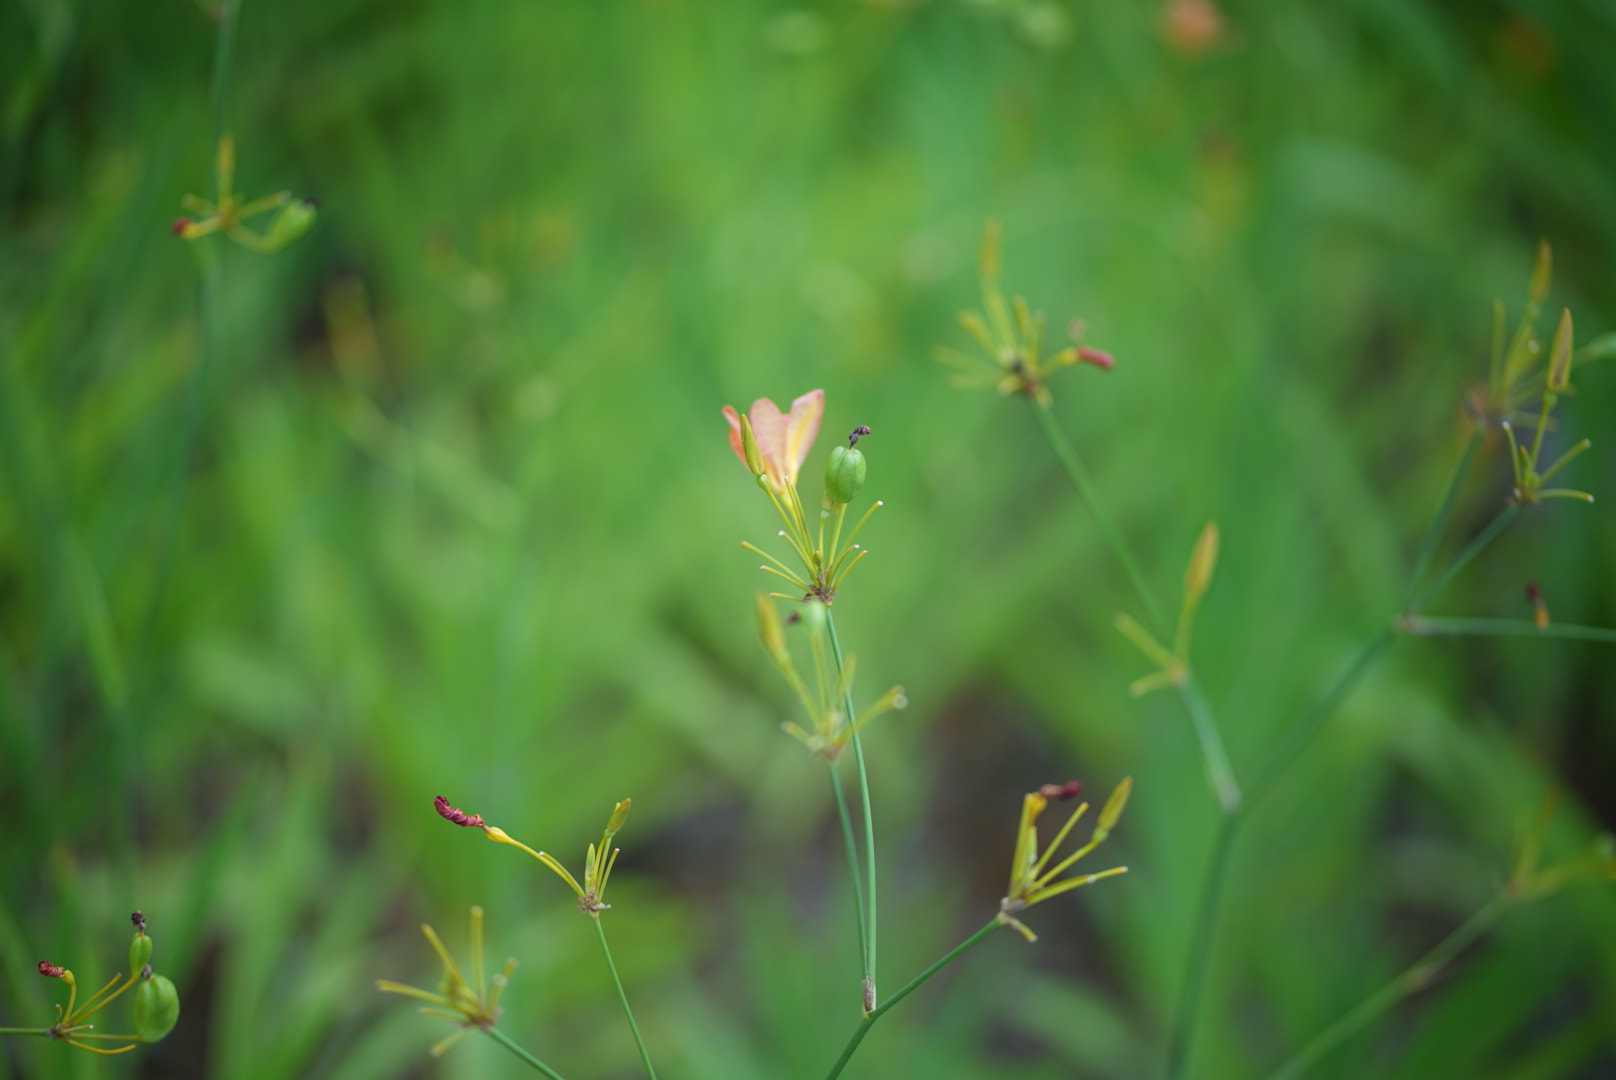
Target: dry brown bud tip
(1067, 790)
(139, 920)
(179, 226)
(459, 817)
(50, 970)
(856, 434)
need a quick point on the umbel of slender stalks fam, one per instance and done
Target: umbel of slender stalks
(156, 1007)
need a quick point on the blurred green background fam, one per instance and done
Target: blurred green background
(460, 517)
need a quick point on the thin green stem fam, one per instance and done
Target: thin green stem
(865, 1024)
(1102, 517)
(621, 996)
(1409, 982)
(1206, 919)
(1440, 626)
(1219, 773)
(869, 818)
(1422, 561)
(1308, 725)
(508, 1043)
(1300, 735)
(852, 863)
(224, 62)
(1474, 548)
(24, 1031)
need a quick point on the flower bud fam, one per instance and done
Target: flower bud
(1198, 575)
(770, 629)
(844, 474)
(1542, 269)
(157, 1008)
(1560, 355)
(290, 223)
(1115, 804)
(619, 815)
(139, 951)
(754, 456)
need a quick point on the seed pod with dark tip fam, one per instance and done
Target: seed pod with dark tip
(844, 474)
(139, 952)
(157, 1008)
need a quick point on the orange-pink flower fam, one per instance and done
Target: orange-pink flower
(783, 439)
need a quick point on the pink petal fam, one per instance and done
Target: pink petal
(735, 442)
(769, 429)
(802, 428)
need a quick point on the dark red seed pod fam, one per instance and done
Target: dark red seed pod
(1067, 790)
(459, 817)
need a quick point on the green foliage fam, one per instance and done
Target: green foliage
(451, 509)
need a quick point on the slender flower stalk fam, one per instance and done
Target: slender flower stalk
(868, 987)
(598, 861)
(868, 1021)
(639, 1040)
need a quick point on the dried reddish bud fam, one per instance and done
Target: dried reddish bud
(1534, 594)
(459, 817)
(139, 920)
(857, 433)
(50, 970)
(179, 226)
(1067, 790)
(1098, 357)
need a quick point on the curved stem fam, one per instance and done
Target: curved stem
(1409, 982)
(1206, 919)
(910, 987)
(869, 819)
(1102, 517)
(509, 1044)
(645, 1057)
(852, 864)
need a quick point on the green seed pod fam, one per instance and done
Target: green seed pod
(139, 952)
(289, 224)
(844, 474)
(157, 1008)
(813, 617)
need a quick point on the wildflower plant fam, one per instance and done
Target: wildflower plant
(229, 214)
(1520, 372)
(590, 895)
(156, 1003)
(1032, 879)
(773, 445)
(470, 1004)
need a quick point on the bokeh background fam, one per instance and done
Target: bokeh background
(459, 516)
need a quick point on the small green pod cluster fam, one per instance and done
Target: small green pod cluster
(157, 1008)
(844, 474)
